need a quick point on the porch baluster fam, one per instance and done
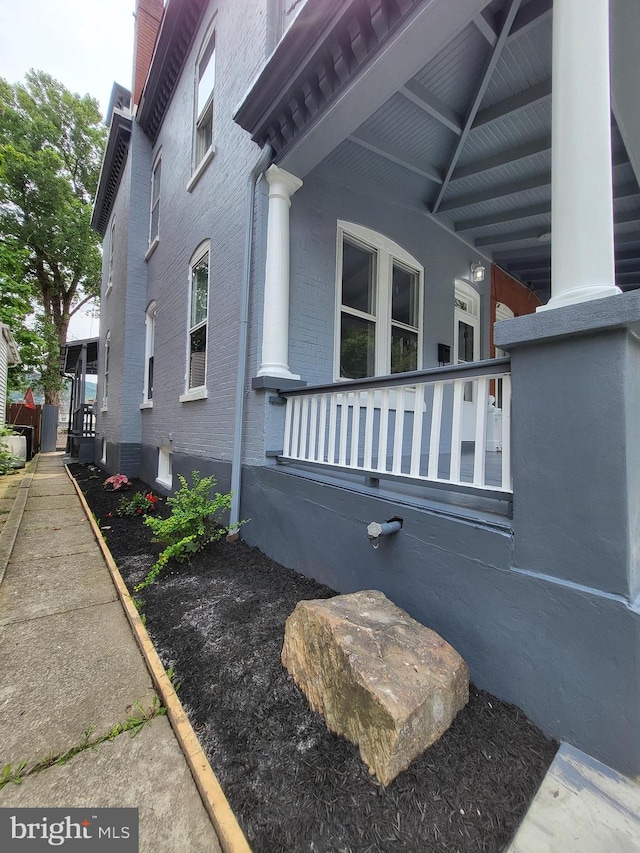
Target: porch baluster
(456, 431)
(482, 403)
(416, 439)
(398, 432)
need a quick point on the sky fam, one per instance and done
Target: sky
(85, 44)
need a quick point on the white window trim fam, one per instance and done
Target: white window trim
(197, 392)
(149, 351)
(154, 239)
(105, 372)
(112, 234)
(199, 165)
(165, 467)
(200, 393)
(387, 251)
(103, 457)
(200, 169)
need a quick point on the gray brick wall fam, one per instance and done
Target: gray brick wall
(122, 309)
(213, 210)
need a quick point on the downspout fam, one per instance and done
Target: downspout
(241, 373)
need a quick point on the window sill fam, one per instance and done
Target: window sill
(152, 247)
(103, 409)
(166, 483)
(200, 168)
(194, 394)
(147, 404)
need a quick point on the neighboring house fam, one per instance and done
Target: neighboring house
(9, 356)
(313, 214)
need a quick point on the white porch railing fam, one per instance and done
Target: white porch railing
(438, 427)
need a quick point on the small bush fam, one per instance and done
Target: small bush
(191, 525)
(142, 503)
(7, 460)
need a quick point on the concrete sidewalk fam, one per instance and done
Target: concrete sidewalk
(69, 663)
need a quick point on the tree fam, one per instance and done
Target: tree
(51, 144)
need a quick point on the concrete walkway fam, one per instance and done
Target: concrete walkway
(582, 806)
(70, 663)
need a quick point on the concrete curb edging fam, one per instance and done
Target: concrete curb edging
(230, 835)
(9, 532)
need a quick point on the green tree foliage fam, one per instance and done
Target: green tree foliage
(51, 144)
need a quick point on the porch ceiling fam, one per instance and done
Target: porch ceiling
(488, 177)
(467, 139)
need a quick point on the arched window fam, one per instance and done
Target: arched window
(379, 305)
(149, 348)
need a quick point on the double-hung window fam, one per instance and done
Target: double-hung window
(154, 217)
(198, 313)
(380, 299)
(205, 84)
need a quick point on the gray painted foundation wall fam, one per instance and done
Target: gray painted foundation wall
(566, 655)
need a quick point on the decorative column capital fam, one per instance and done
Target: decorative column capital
(281, 184)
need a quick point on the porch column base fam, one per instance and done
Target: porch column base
(580, 294)
(278, 371)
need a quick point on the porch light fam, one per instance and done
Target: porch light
(477, 271)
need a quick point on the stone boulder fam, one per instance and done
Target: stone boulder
(378, 677)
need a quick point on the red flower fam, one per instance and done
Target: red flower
(139, 511)
(109, 515)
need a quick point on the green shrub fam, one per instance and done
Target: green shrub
(6, 460)
(191, 525)
(142, 503)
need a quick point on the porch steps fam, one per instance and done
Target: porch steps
(582, 806)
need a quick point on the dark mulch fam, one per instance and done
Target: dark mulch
(293, 785)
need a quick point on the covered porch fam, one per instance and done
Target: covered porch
(413, 157)
(79, 360)
(444, 110)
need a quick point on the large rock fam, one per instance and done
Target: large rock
(377, 676)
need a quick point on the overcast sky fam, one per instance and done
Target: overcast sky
(86, 44)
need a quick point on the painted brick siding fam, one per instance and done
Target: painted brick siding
(122, 309)
(214, 210)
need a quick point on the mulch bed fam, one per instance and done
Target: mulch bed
(293, 785)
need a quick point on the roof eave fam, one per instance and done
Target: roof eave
(308, 31)
(13, 353)
(179, 25)
(113, 163)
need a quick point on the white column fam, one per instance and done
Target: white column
(582, 259)
(275, 330)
